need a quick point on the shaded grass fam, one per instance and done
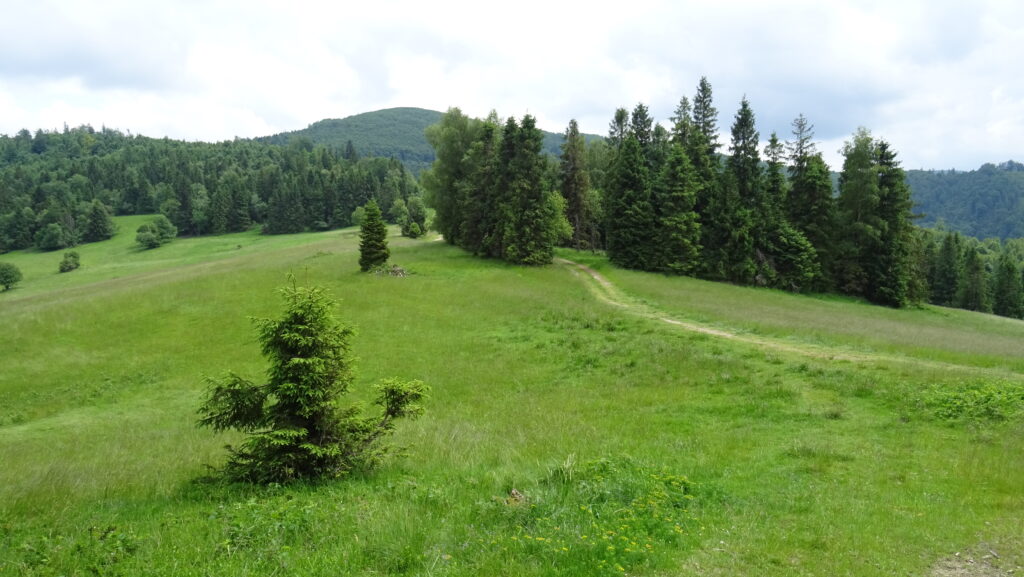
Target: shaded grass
(797, 465)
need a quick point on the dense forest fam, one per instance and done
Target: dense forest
(57, 189)
(671, 200)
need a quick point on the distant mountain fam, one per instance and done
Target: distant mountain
(987, 202)
(393, 132)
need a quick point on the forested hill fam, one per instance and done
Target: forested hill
(987, 202)
(393, 132)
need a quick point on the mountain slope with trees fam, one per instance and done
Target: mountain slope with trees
(987, 202)
(391, 133)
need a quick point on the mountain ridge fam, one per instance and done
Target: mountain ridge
(390, 132)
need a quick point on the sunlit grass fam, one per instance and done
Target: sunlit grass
(795, 464)
(926, 332)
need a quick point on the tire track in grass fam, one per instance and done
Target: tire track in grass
(606, 291)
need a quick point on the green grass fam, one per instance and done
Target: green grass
(926, 332)
(553, 416)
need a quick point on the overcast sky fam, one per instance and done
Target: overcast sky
(940, 80)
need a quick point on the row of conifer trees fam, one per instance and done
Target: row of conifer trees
(669, 200)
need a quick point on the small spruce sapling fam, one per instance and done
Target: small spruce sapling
(297, 428)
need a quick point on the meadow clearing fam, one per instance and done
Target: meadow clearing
(571, 429)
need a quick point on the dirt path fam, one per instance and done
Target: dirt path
(607, 292)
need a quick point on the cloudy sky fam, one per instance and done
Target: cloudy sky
(940, 80)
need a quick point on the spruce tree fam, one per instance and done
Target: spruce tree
(812, 211)
(661, 146)
(728, 239)
(702, 146)
(705, 116)
(373, 239)
(802, 147)
(99, 224)
(504, 202)
(859, 237)
(889, 268)
(296, 426)
(481, 187)
(744, 161)
(538, 213)
(785, 258)
(730, 222)
(618, 128)
(947, 271)
(1008, 297)
(922, 260)
(641, 126)
(682, 123)
(678, 230)
(220, 206)
(973, 294)
(629, 216)
(575, 185)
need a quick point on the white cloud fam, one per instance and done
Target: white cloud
(937, 79)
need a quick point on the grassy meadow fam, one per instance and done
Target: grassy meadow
(565, 434)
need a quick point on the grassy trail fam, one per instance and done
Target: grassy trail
(606, 291)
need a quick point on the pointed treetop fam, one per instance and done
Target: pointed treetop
(682, 124)
(802, 146)
(705, 115)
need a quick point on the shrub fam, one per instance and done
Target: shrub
(52, 237)
(297, 430)
(10, 275)
(156, 232)
(70, 261)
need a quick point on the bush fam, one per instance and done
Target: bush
(10, 275)
(51, 237)
(156, 232)
(297, 430)
(70, 262)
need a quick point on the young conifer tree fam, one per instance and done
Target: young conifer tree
(373, 238)
(296, 426)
